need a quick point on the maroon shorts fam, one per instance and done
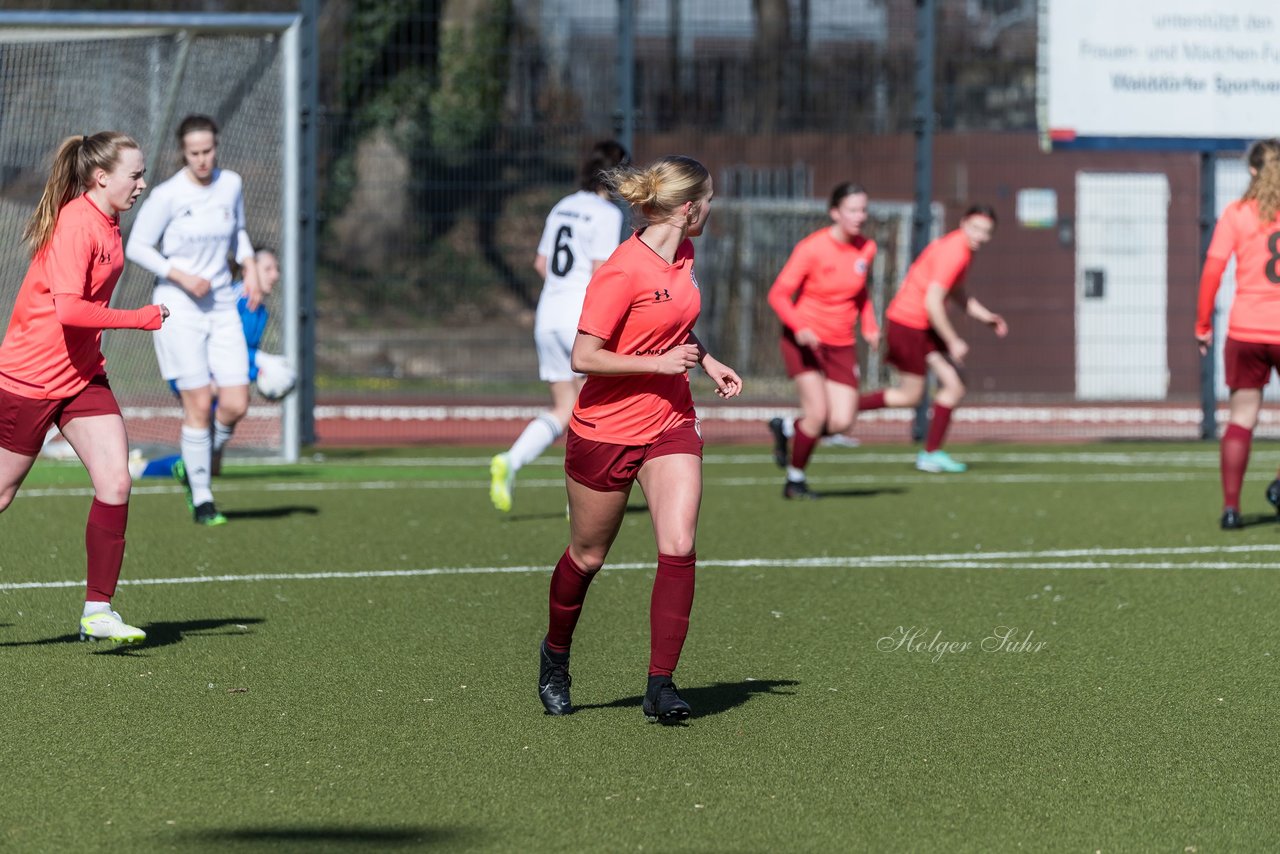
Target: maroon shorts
(24, 421)
(1247, 364)
(909, 348)
(606, 467)
(837, 363)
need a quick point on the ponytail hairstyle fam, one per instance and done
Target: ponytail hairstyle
(1264, 184)
(658, 190)
(843, 190)
(605, 155)
(74, 164)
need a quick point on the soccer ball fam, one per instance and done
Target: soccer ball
(276, 377)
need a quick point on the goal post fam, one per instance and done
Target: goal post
(67, 73)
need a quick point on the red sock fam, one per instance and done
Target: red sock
(802, 447)
(871, 400)
(104, 545)
(669, 609)
(569, 585)
(938, 425)
(1234, 455)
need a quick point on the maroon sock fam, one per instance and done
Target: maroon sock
(802, 447)
(569, 585)
(1234, 455)
(938, 425)
(871, 400)
(669, 609)
(104, 545)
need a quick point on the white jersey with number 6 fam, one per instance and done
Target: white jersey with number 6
(581, 229)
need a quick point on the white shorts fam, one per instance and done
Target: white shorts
(555, 348)
(197, 347)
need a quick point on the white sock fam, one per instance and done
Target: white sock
(536, 438)
(221, 434)
(197, 450)
(91, 608)
(795, 475)
(789, 427)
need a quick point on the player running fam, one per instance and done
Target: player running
(634, 420)
(1249, 229)
(51, 366)
(818, 296)
(922, 338)
(197, 219)
(581, 232)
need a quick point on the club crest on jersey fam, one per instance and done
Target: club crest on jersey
(860, 266)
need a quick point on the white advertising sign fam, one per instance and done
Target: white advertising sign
(1172, 68)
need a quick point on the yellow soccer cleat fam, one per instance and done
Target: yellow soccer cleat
(501, 479)
(107, 625)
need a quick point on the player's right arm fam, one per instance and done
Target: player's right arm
(71, 254)
(782, 297)
(1215, 264)
(148, 229)
(935, 306)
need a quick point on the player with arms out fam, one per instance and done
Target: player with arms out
(1249, 229)
(922, 338)
(635, 421)
(581, 232)
(51, 366)
(197, 220)
(818, 296)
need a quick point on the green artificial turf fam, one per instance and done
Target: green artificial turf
(851, 687)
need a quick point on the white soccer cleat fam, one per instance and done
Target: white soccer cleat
(107, 625)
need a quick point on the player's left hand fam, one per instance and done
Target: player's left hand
(728, 383)
(1001, 328)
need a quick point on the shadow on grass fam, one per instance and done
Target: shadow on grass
(323, 838)
(158, 634)
(273, 512)
(860, 493)
(1256, 520)
(710, 699)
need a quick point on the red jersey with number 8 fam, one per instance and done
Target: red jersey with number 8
(1255, 311)
(641, 306)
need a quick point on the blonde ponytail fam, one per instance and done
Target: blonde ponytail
(656, 191)
(74, 164)
(1264, 187)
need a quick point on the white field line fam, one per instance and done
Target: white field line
(827, 482)
(1027, 560)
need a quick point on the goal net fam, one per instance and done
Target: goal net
(63, 74)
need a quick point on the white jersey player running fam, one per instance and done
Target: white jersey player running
(184, 233)
(581, 233)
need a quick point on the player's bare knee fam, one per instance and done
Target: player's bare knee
(589, 559)
(6, 498)
(115, 491)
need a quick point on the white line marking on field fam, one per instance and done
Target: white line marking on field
(1049, 559)
(821, 482)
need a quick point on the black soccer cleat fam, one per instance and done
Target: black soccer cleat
(662, 704)
(206, 514)
(554, 681)
(798, 489)
(779, 442)
(1273, 494)
(1231, 519)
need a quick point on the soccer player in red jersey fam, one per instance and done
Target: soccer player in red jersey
(819, 294)
(1249, 229)
(51, 366)
(922, 338)
(634, 421)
